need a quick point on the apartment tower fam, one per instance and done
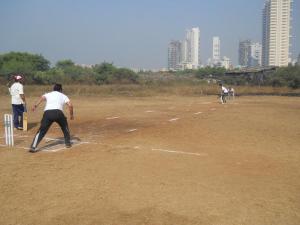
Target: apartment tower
(174, 55)
(216, 54)
(276, 32)
(191, 49)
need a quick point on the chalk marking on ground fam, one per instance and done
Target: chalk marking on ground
(50, 149)
(131, 130)
(62, 140)
(197, 113)
(17, 135)
(112, 118)
(174, 119)
(179, 152)
(21, 147)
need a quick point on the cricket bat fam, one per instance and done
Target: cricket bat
(25, 121)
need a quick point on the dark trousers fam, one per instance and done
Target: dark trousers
(18, 114)
(49, 117)
(224, 96)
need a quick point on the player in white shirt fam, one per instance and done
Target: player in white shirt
(224, 93)
(53, 112)
(18, 101)
(231, 93)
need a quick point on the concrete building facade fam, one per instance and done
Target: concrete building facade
(174, 55)
(191, 48)
(244, 52)
(276, 32)
(216, 52)
(255, 55)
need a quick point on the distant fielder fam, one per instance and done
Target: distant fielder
(231, 93)
(53, 112)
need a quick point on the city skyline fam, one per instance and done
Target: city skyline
(132, 34)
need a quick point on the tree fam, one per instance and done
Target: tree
(25, 63)
(62, 64)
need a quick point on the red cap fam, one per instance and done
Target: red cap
(18, 77)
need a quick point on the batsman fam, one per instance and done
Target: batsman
(18, 101)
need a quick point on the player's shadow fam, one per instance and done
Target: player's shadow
(58, 141)
(32, 125)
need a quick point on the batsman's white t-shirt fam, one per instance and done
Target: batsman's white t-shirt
(55, 100)
(224, 90)
(15, 91)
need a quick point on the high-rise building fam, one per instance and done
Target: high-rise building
(185, 54)
(226, 63)
(191, 49)
(276, 32)
(216, 54)
(174, 55)
(255, 53)
(244, 52)
(250, 54)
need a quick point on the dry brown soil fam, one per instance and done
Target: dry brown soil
(165, 160)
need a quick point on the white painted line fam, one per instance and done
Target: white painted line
(53, 139)
(174, 119)
(17, 135)
(50, 149)
(197, 113)
(72, 141)
(179, 152)
(149, 111)
(112, 118)
(132, 130)
(26, 148)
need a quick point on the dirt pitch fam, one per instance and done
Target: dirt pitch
(165, 160)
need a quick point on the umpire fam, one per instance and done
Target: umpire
(53, 112)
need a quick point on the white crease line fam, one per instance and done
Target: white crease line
(112, 118)
(174, 119)
(179, 152)
(132, 130)
(59, 149)
(72, 141)
(26, 148)
(49, 148)
(17, 135)
(197, 113)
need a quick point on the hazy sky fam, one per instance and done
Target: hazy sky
(130, 33)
